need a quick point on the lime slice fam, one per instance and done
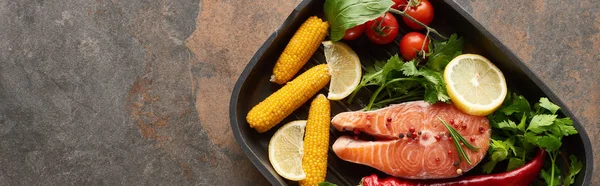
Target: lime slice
(475, 85)
(286, 150)
(344, 67)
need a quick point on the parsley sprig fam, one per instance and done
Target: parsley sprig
(520, 129)
(398, 80)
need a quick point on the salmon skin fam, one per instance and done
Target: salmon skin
(412, 143)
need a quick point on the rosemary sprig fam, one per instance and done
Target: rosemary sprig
(457, 138)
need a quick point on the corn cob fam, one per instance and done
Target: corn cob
(316, 142)
(282, 103)
(302, 45)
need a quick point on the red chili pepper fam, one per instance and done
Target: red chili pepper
(521, 176)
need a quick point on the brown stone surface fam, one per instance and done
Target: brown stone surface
(113, 92)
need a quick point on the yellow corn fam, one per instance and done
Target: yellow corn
(282, 103)
(302, 45)
(316, 142)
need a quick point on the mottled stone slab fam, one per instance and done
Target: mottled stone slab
(113, 92)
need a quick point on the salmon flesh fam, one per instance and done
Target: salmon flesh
(412, 143)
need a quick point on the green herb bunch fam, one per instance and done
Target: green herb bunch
(399, 81)
(520, 130)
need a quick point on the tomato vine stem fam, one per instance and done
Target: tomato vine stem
(429, 29)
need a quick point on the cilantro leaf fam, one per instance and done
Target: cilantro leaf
(433, 77)
(563, 127)
(514, 163)
(547, 176)
(538, 122)
(435, 93)
(574, 168)
(521, 125)
(566, 126)
(545, 103)
(537, 128)
(444, 52)
(435, 89)
(393, 64)
(507, 124)
(373, 74)
(488, 167)
(518, 105)
(410, 69)
(550, 143)
(498, 151)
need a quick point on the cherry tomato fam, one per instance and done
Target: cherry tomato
(382, 30)
(422, 13)
(354, 32)
(399, 4)
(411, 43)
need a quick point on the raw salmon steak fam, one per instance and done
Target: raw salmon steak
(412, 143)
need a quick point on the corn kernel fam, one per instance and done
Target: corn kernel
(282, 103)
(316, 142)
(298, 51)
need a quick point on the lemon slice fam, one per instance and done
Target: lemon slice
(344, 67)
(474, 84)
(286, 150)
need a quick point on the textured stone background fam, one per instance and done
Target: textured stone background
(114, 92)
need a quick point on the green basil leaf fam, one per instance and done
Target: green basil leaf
(326, 184)
(345, 14)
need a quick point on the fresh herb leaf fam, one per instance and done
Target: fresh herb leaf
(550, 143)
(498, 151)
(565, 125)
(574, 168)
(508, 124)
(435, 93)
(531, 137)
(545, 103)
(435, 89)
(444, 52)
(521, 125)
(393, 64)
(402, 81)
(514, 163)
(433, 77)
(326, 184)
(410, 69)
(538, 122)
(517, 105)
(345, 14)
(371, 77)
(537, 128)
(549, 178)
(488, 167)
